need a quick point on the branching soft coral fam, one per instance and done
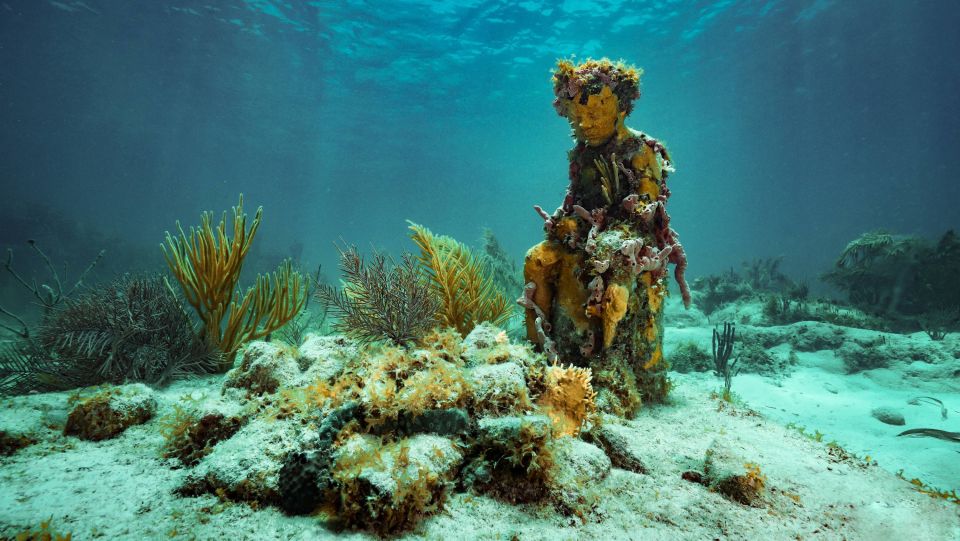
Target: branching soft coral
(467, 292)
(207, 264)
(381, 302)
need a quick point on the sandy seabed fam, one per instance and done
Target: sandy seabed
(124, 489)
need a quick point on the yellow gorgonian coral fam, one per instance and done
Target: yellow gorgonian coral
(468, 295)
(207, 263)
(568, 398)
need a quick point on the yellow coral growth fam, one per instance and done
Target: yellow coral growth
(43, 534)
(399, 381)
(541, 266)
(207, 264)
(568, 398)
(649, 188)
(440, 386)
(467, 292)
(445, 342)
(614, 308)
(654, 167)
(655, 294)
(565, 226)
(754, 478)
(655, 359)
(571, 295)
(551, 268)
(650, 332)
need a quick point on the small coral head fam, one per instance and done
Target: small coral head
(577, 84)
(569, 398)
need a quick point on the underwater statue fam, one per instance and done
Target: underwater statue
(595, 287)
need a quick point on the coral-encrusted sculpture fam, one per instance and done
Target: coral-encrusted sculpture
(595, 286)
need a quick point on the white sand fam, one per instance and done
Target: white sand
(819, 395)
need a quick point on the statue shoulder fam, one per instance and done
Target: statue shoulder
(648, 154)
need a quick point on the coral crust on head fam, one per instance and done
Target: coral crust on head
(591, 77)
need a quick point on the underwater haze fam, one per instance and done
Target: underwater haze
(438, 354)
(794, 126)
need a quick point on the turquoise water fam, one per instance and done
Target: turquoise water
(795, 126)
(814, 147)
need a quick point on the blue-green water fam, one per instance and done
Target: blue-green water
(795, 126)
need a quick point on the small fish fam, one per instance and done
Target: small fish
(930, 400)
(933, 433)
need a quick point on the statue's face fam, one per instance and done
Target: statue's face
(595, 121)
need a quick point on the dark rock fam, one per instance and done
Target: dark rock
(388, 488)
(11, 443)
(692, 476)
(730, 474)
(303, 478)
(199, 439)
(619, 443)
(443, 422)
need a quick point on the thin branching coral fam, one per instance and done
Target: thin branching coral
(468, 294)
(381, 300)
(25, 367)
(503, 269)
(133, 329)
(207, 264)
(610, 182)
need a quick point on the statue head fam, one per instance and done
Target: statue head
(595, 97)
